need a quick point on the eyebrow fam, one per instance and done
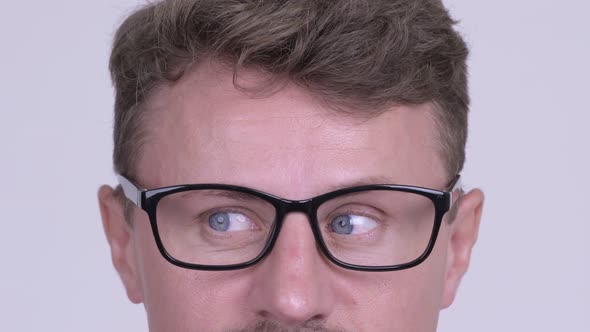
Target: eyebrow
(225, 193)
(371, 180)
(364, 181)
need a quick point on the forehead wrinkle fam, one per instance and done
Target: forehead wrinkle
(292, 133)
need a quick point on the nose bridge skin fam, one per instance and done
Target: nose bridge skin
(291, 284)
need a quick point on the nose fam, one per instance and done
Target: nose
(292, 284)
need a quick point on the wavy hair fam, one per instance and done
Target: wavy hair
(358, 55)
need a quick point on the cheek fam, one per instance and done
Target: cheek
(407, 300)
(178, 299)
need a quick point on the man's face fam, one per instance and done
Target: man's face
(203, 130)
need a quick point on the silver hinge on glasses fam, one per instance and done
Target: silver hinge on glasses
(130, 190)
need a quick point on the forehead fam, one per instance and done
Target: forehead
(203, 129)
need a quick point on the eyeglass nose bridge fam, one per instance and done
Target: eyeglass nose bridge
(285, 207)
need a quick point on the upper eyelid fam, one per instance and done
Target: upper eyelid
(337, 212)
(348, 208)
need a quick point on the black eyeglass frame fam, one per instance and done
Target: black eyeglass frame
(147, 200)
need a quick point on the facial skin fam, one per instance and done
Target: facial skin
(203, 130)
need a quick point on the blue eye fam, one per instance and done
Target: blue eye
(229, 221)
(219, 221)
(342, 225)
(347, 224)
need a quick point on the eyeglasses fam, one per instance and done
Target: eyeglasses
(377, 227)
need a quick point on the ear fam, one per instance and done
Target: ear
(118, 233)
(464, 231)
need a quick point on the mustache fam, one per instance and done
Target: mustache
(270, 326)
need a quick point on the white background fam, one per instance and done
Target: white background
(528, 149)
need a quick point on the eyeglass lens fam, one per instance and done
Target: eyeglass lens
(224, 227)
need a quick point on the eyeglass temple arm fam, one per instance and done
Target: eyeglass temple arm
(454, 186)
(131, 191)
